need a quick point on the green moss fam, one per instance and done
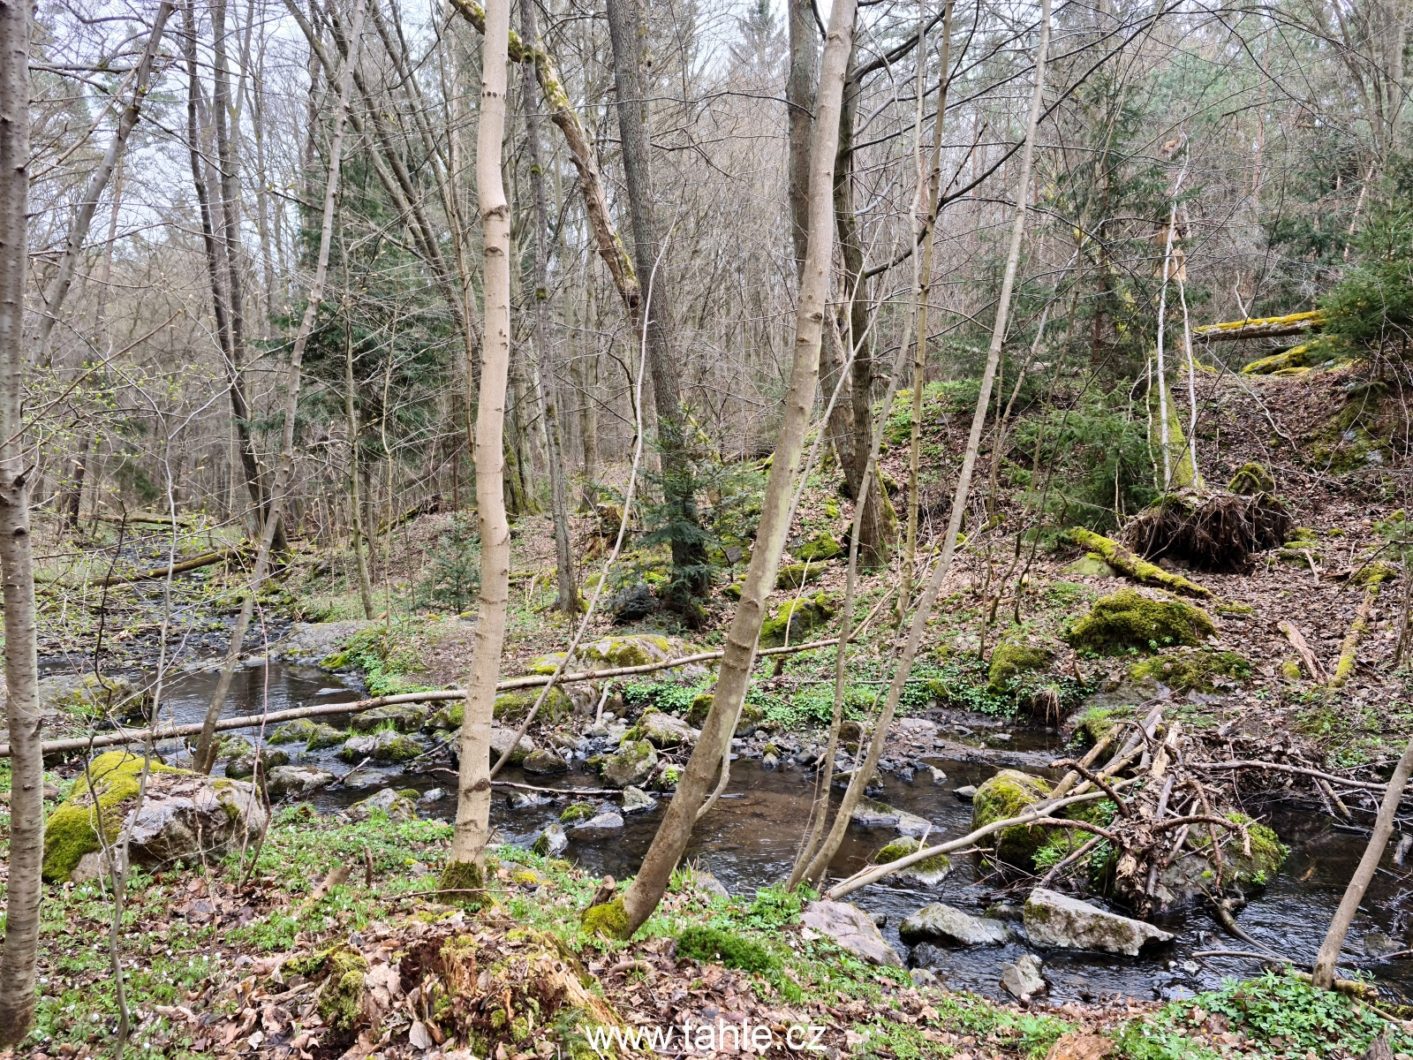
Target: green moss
(513, 706)
(1008, 794)
(711, 944)
(463, 883)
(608, 919)
(545, 664)
(1252, 478)
(820, 548)
(577, 811)
(391, 748)
(905, 845)
(1090, 565)
(1196, 671)
(1094, 723)
(1011, 659)
(1128, 620)
(1132, 565)
(341, 996)
(97, 801)
(628, 651)
(797, 575)
(1374, 573)
(795, 619)
(1241, 869)
(314, 735)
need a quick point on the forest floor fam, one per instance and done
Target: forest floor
(245, 956)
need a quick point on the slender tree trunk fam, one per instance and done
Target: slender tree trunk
(673, 834)
(355, 496)
(861, 776)
(473, 805)
(799, 108)
(1328, 956)
(690, 572)
(270, 535)
(567, 599)
(22, 889)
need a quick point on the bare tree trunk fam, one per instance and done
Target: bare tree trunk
(464, 871)
(1328, 956)
(17, 957)
(799, 107)
(567, 599)
(861, 776)
(690, 572)
(270, 535)
(625, 915)
(355, 494)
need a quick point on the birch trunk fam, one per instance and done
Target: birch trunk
(17, 957)
(625, 915)
(473, 804)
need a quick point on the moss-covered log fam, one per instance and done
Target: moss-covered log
(1262, 327)
(1132, 565)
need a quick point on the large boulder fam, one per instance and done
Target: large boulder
(396, 805)
(928, 872)
(1054, 919)
(386, 747)
(1009, 794)
(296, 781)
(599, 826)
(1129, 620)
(795, 619)
(665, 730)
(315, 735)
(94, 697)
(944, 923)
(182, 817)
(632, 763)
(1251, 854)
(503, 739)
(544, 762)
(871, 813)
(400, 717)
(851, 929)
(241, 764)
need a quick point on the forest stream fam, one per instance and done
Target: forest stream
(750, 840)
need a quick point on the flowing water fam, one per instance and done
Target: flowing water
(750, 840)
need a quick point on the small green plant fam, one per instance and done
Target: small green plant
(453, 568)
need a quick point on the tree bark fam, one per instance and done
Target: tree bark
(739, 656)
(567, 599)
(690, 572)
(1328, 956)
(904, 664)
(17, 956)
(799, 109)
(473, 804)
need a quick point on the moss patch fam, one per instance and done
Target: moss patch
(710, 944)
(1197, 671)
(1008, 794)
(97, 801)
(608, 919)
(1128, 620)
(1011, 659)
(1252, 478)
(578, 811)
(820, 548)
(1094, 723)
(462, 883)
(795, 619)
(1132, 565)
(513, 706)
(797, 575)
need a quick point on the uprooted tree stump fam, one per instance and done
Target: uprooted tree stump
(1214, 531)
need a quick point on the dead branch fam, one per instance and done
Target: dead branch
(1302, 649)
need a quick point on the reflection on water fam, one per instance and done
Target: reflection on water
(751, 837)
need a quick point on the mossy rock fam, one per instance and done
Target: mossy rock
(1090, 565)
(92, 697)
(1196, 671)
(608, 919)
(578, 811)
(545, 665)
(1008, 794)
(514, 705)
(400, 717)
(926, 873)
(1252, 478)
(1374, 573)
(1195, 873)
(798, 575)
(242, 766)
(747, 722)
(316, 736)
(821, 548)
(795, 620)
(386, 748)
(633, 763)
(1011, 660)
(637, 650)
(97, 801)
(1128, 620)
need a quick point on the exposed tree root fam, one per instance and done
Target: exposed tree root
(1210, 531)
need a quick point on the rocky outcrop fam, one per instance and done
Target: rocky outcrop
(183, 817)
(944, 923)
(851, 929)
(1054, 919)
(870, 813)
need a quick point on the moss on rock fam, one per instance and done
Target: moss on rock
(1094, 723)
(1252, 478)
(1008, 794)
(1197, 671)
(795, 619)
(821, 548)
(577, 811)
(513, 706)
(1128, 620)
(96, 802)
(797, 575)
(637, 650)
(1011, 659)
(314, 735)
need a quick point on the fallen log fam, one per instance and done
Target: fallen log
(206, 559)
(1349, 647)
(1302, 649)
(1131, 565)
(1261, 327)
(324, 710)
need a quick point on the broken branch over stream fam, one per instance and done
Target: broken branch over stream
(169, 732)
